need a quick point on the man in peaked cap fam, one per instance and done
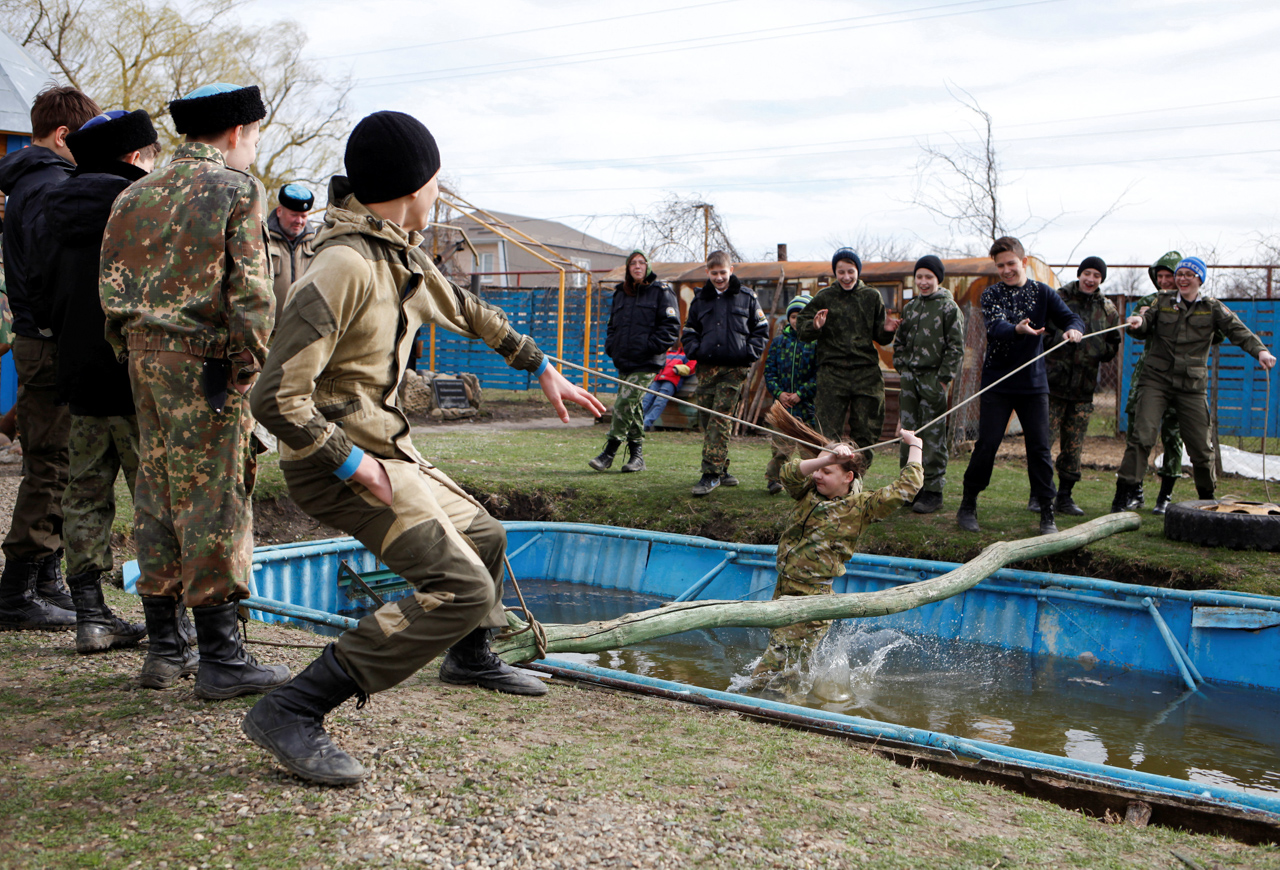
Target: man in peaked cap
(290, 238)
(191, 310)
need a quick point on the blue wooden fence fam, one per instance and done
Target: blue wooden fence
(1241, 382)
(534, 312)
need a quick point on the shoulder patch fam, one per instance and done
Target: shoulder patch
(671, 312)
(759, 314)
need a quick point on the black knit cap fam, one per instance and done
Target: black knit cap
(1093, 263)
(390, 155)
(214, 108)
(933, 264)
(110, 136)
(846, 254)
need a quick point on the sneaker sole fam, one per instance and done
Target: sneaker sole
(252, 731)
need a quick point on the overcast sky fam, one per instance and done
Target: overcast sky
(803, 122)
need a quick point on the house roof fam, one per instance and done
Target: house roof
(553, 234)
(21, 78)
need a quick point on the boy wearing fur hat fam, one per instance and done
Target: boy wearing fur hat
(1073, 376)
(845, 319)
(290, 238)
(328, 392)
(928, 352)
(112, 151)
(186, 287)
(790, 373)
(1179, 329)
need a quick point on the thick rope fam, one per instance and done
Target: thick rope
(531, 624)
(819, 447)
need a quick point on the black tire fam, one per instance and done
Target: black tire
(1187, 521)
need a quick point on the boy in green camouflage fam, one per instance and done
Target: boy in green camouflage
(186, 288)
(928, 351)
(830, 515)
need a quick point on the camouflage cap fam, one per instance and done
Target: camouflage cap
(1169, 262)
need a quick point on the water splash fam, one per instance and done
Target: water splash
(844, 666)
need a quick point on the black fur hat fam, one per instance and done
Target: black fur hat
(111, 135)
(217, 107)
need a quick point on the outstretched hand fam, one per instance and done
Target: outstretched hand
(558, 389)
(820, 319)
(1024, 326)
(909, 437)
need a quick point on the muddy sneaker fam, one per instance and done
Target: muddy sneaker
(706, 484)
(728, 479)
(774, 487)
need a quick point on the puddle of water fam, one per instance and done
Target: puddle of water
(1221, 735)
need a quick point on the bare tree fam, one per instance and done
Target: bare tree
(961, 184)
(871, 247)
(681, 229)
(141, 55)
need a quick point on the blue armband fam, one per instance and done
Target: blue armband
(349, 466)
(546, 361)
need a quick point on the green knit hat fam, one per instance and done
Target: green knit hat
(1169, 262)
(798, 303)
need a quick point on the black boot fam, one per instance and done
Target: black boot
(49, 584)
(184, 623)
(97, 628)
(1064, 504)
(169, 656)
(635, 457)
(1047, 525)
(227, 670)
(470, 662)
(21, 606)
(1137, 500)
(927, 502)
(289, 723)
(1204, 493)
(1165, 498)
(1124, 492)
(605, 459)
(967, 515)
(1033, 505)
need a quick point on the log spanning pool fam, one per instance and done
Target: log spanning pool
(1162, 691)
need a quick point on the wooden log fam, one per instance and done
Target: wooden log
(675, 618)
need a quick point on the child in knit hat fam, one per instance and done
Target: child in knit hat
(791, 374)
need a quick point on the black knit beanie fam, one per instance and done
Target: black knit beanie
(1093, 263)
(214, 108)
(390, 155)
(110, 136)
(846, 254)
(933, 264)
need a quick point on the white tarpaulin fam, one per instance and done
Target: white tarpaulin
(1241, 462)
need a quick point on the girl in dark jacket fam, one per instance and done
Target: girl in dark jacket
(643, 323)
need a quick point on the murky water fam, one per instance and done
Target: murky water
(1220, 735)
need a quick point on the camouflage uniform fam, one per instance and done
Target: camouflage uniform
(849, 377)
(186, 288)
(1170, 434)
(790, 367)
(628, 418)
(328, 392)
(719, 388)
(928, 351)
(821, 537)
(1176, 376)
(1073, 373)
(100, 448)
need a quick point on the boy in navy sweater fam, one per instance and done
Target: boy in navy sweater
(1016, 310)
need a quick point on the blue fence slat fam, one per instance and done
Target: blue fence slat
(1242, 383)
(8, 383)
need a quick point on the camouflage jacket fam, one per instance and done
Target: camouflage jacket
(930, 338)
(184, 262)
(792, 367)
(1179, 336)
(823, 533)
(290, 258)
(331, 380)
(855, 319)
(1073, 369)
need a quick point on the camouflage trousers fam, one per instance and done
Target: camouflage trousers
(792, 644)
(192, 521)
(921, 399)
(99, 449)
(1069, 421)
(719, 388)
(856, 392)
(628, 417)
(434, 536)
(35, 527)
(1170, 434)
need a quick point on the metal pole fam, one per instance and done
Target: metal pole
(706, 231)
(586, 335)
(432, 358)
(560, 321)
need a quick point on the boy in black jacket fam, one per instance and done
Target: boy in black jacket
(112, 151)
(726, 331)
(1016, 310)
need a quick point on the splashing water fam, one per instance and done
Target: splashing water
(844, 665)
